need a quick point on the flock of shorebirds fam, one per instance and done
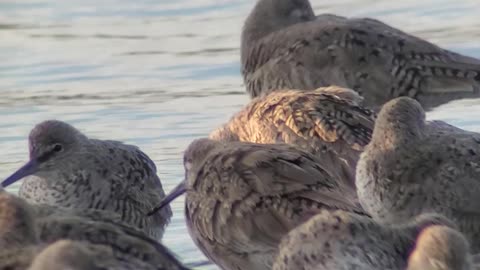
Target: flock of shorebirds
(344, 175)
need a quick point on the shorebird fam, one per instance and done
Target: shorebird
(18, 238)
(26, 228)
(128, 247)
(66, 168)
(328, 122)
(343, 241)
(284, 45)
(413, 166)
(77, 255)
(242, 198)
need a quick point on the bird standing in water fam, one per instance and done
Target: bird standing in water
(68, 169)
(242, 198)
(413, 166)
(285, 46)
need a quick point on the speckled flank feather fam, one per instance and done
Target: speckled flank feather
(413, 166)
(375, 59)
(344, 241)
(328, 122)
(243, 197)
(94, 174)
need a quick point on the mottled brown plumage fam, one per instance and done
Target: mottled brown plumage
(413, 166)
(284, 46)
(242, 198)
(344, 241)
(328, 122)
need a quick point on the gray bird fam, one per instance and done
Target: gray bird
(128, 248)
(328, 122)
(78, 255)
(66, 168)
(413, 166)
(344, 241)
(18, 237)
(284, 46)
(25, 229)
(242, 198)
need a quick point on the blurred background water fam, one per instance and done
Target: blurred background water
(159, 73)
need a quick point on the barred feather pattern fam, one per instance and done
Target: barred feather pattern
(243, 197)
(376, 60)
(328, 122)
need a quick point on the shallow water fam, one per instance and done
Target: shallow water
(158, 73)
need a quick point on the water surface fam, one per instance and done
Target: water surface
(159, 73)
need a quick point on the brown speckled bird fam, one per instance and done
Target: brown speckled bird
(344, 241)
(285, 46)
(68, 169)
(328, 122)
(413, 166)
(242, 198)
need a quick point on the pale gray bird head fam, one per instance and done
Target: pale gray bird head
(193, 157)
(399, 120)
(17, 226)
(271, 15)
(440, 248)
(50, 143)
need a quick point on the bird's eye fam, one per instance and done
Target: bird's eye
(57, 147)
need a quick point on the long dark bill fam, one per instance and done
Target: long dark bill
(26, 170)
(175, 193)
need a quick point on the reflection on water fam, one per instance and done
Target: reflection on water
(160, 73)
